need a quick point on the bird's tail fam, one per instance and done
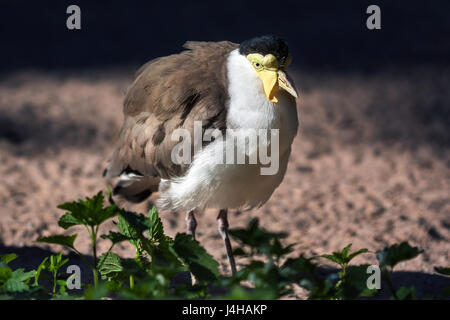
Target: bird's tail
(133, 186)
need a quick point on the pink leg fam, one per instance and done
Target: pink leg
(222, 223)
(191, 223)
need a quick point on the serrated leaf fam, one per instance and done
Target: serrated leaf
(7, 258)
(333, 257)
(342, 257)
(357, 253)
(156, 230)
(21, 275)
(77, 215)
(115, 237)
(14, 286)
(345, 251)
(132, 224)
(396, 253)
(86, 212)
(17, 281)
(68, 220)
(200, 262)
(109, 265)
(67, 241)
(105, 214)
(164, 251)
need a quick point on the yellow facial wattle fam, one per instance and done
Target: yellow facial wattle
(267, 69)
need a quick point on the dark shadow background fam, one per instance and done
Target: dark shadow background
(321, 34)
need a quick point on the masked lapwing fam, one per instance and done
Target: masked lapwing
(213, 88)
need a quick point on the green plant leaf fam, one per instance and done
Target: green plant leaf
(96, 293)
(345, 251)
(241, 293)
(396, 253)
(5, 274)
(407, 293)
(17, 281)
(115, 237)
(109, 265)
(133, 224)
(354, 285)
(21, 275)
(335, 257)
(442, 270)
(319, 289)
(69, 220)
(356, 253)
(86, 212)
(200, 262)
(156, 230)
(39, 270)
(67, 241)
(7, 258)
(164, 251)
(14, 286)
(342, 257)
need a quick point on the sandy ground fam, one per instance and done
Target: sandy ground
(370, 165)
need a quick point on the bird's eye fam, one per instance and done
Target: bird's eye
(257, 65)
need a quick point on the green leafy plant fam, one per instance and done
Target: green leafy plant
(343, 258)
(163, 267)
(352, 282)
(388, 258)
(52, 265)
(13, 283)
(89, 213)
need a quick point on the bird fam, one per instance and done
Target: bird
(217, 87)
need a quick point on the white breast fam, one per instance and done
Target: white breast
(249, 107)
(208, 184)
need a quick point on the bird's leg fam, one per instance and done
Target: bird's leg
(222, 223)
(191, 223)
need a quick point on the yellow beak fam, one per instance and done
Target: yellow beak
(284, 83)
(269, 79)
(272, 80)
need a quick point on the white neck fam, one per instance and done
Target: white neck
(248, 105)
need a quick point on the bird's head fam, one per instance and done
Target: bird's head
(269, 56)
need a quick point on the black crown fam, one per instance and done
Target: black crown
(266, 45)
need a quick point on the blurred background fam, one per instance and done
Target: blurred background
(321, 34)
(371, 163)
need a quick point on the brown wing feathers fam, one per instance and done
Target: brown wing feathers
(168, 93)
